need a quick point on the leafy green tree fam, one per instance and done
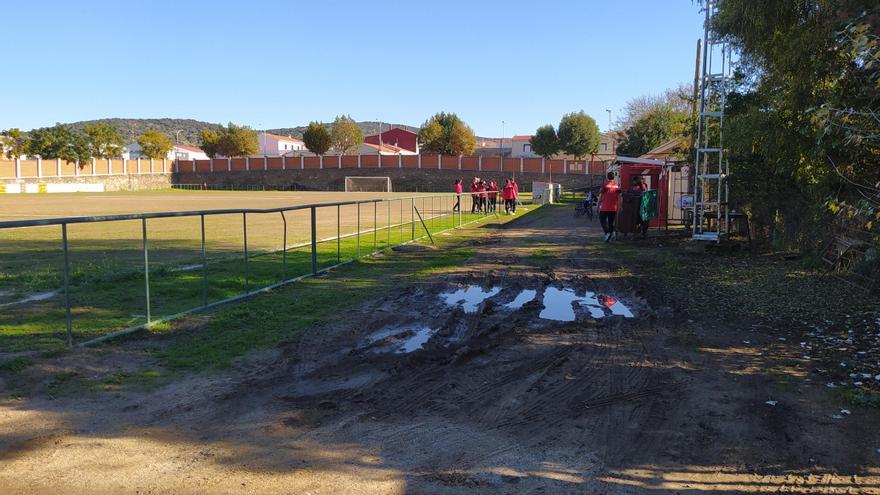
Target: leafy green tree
(345, 135)
(578, 134)
(14, 143)
(545, 142)
(238, 141)
(317, 139)
(446, 134)
(155, 144)
(653, 129)
(802, 116)
(209, 141)
(62, 142)
(104, 141)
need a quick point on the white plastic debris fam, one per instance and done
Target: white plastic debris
(831, 385)
(806, 357)
(858, 384)
(845, 412)
(772, 402)
(836, 416)
(877, 377)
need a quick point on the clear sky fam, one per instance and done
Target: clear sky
(273, 64)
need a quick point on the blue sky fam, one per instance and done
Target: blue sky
(276, 64)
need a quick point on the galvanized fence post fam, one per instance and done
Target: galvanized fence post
(338, 235)
(388, 225)
(412, 217)
(401, 220)
(359, 231)
(204, 266)
(247, 282)
(375, 225)
(146, 270)
(284, 248)
(314, 242)
(67, 317)
(460, 207)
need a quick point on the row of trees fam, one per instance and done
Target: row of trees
(344, 136)
(444, 133)
(577, 135)
(62, 142)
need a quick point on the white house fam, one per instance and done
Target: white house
(274, 145)
(521, 147)
(178, 152)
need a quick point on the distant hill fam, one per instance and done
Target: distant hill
(190, 128)
(132, 128)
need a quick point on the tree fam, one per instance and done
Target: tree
(653, 129)
(60, 142)
(578, 134)
(155, 144)
(680, 99)
(345, 135)
(104, 141)
(210, 142)
(801, 114)
(446, 134)
(14, 143)
(317, 139)
(237, 141)
(545, 142)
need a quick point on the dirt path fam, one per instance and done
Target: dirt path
(496, 400)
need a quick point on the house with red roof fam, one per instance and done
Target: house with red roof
(398, 138)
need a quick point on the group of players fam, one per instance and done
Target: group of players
(484, 195)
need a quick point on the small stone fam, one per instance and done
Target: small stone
(771, 402)
(845, 411)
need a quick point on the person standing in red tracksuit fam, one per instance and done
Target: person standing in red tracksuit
(457, 205)
(515, 195)
(474, 203)
(608, 199)
(481, 196)
(493, 196)
(507, 195)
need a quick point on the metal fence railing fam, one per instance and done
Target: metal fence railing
(107, 276)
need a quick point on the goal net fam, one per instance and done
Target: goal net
(368, 184)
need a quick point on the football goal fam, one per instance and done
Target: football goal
(368, 184)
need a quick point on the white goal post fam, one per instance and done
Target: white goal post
(367, 184)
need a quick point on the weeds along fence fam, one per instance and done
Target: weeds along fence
(82, 280)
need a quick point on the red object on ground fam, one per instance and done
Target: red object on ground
(607, 301)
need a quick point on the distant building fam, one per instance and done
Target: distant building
(397, 137)
(274, 145)
(521, 147)
(178, 152)
(673, 150)
(384, 149)
(492, 147)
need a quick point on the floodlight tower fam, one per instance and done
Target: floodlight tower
(711, 206)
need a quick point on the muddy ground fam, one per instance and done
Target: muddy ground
(418, 393)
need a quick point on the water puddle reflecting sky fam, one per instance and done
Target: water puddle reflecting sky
(558, 304)
(470, 298)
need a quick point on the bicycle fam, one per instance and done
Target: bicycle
(584, 208)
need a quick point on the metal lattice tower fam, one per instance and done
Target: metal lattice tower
(711, 207)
